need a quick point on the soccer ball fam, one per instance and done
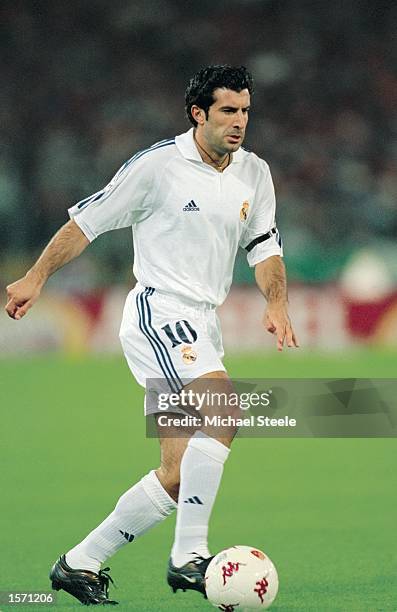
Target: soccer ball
(241, 578)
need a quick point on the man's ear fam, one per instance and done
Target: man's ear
(198, 114)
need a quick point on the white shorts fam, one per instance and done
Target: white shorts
(165, 337)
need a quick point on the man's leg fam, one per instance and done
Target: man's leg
(138, 509)
(201, 472)
(147, 503)
(172, 447)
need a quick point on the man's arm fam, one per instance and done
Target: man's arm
(271, 279)
(65, 245)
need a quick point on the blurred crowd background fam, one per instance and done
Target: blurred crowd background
(85, 84)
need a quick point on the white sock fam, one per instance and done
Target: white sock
(140, 508)
(201, 473)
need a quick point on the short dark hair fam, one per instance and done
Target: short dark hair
(201, 87)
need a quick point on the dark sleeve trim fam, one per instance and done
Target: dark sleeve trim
(260, 239)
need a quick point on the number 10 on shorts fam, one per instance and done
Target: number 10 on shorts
(184, 333)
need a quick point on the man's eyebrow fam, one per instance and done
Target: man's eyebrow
(234, 108)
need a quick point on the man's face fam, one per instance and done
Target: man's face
(224, 130)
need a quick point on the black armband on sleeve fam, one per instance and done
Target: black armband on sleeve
(260, 239)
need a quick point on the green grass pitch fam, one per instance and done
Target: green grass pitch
(73, 439)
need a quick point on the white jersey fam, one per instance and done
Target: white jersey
(187, 219)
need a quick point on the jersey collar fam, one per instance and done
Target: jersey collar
(187, 147)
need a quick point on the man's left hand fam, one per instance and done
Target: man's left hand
(277, 322)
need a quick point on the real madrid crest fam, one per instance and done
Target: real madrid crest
(188, 355)
(244, 211)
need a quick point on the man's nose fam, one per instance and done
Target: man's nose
(239, 120)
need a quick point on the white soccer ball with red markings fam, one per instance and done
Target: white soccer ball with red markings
(241, 578)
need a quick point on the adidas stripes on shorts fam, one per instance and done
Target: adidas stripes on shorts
(165, 337)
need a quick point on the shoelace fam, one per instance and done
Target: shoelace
(104, 579)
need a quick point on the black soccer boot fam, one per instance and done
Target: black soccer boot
(88, 587)
(189, 576)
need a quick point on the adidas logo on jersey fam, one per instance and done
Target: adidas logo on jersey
(193, 500)
(191, 206)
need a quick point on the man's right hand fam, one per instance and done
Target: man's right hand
(22, 295)
(68, 243)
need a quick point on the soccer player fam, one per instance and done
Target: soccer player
(191, 201)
